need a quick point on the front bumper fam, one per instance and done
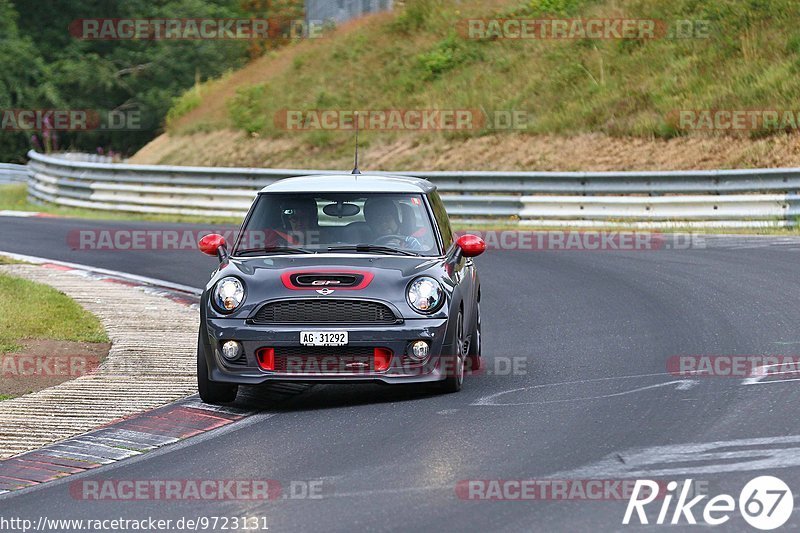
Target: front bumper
(395, 337)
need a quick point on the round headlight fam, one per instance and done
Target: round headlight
(425, 295)
(229, 294)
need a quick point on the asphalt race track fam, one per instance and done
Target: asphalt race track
(591, 332)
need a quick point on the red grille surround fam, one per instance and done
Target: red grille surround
(324, 360)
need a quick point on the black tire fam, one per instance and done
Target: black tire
(211, 391)
(474, 353)
(454, 366)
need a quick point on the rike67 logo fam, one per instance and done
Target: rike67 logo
(765, 503)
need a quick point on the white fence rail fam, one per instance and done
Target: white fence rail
(10, 173)
(722, 198)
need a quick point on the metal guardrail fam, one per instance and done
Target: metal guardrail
(86, 158)
(10, 173)
(722, 198)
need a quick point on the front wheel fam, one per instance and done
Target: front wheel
(474, 351)
(212, 391)
(454, 364)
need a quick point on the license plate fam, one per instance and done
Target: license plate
(323, 338)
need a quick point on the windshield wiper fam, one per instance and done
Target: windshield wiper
(274, 250)
(372, 248)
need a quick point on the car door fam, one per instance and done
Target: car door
(464, 272)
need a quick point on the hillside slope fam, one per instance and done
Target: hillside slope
(588, 103)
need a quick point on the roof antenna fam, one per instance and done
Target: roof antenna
(355, 167)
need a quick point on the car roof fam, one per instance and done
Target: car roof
(351, 183)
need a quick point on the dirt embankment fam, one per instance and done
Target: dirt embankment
(492, 152)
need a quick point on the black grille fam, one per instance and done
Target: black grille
(326, 311)
(324, 360)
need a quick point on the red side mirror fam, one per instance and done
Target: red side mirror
(210, 244)
(471, 245)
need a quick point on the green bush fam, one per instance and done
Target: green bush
(183, 104)
(448, 54)
(245, 108)
(415, 15)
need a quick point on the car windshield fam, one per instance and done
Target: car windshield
(358, 222)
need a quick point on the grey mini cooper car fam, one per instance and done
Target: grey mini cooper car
(341, 278)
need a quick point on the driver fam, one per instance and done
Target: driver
(384, 221)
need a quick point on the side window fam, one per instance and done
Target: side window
(442, 220)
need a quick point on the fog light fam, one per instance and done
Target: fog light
(231, 350)
(419, 350)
